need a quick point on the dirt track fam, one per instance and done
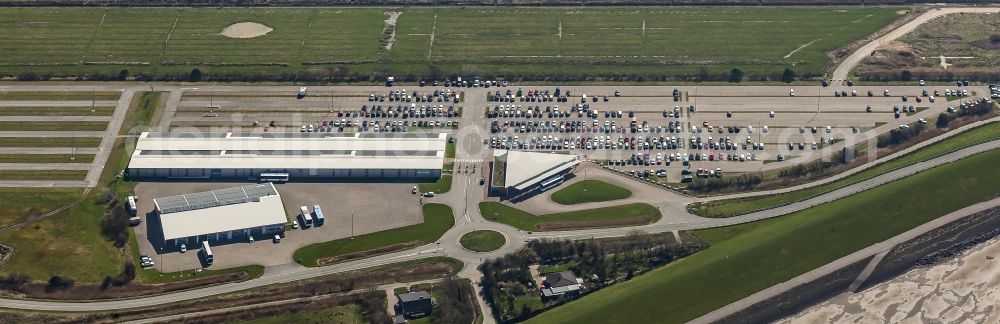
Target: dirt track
(844, 69)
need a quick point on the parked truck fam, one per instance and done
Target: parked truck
(318, 213)
(206, 253)
(307, 219)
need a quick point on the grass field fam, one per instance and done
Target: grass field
(57, 111)
(482, 240)
(43, 174)
(19, 203)
(50, 141)
(442, 185)
(747, 258)
(589, 191)
(47, 158)
(733, 207)
(438, 219)
(60, 95)
(337, 314)
(70, 243)
(480, 41)
(53, 126)
(598, 217)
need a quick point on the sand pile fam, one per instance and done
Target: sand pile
(246, 30)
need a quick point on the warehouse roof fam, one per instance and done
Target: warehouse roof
(289, 151)
(220, 210)
(524, 169)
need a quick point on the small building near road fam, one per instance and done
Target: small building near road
(415, 304)
(559, 284)
(294, 156)
(516, 172)
(221, 215)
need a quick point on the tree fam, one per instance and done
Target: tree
(195, 75)
(943, 120)
(788, 76)
(735, 76)
(906, 75)
(122, 75)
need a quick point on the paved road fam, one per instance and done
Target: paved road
(109, 136)
(844, 69)
(277, 275)
(852, 258)
(468, 219)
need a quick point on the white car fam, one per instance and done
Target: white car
(295, 224)
(184, 248)
(791, 92)
(251, 239)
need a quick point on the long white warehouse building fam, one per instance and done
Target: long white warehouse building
(302, 156)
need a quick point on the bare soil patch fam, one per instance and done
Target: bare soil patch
(246, 30)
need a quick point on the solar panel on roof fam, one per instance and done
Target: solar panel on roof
(218, 197)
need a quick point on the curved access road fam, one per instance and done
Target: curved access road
(470, 219)
(844, 69)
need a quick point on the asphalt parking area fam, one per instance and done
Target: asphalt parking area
(374, 206)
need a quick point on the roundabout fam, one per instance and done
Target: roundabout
(483, 241)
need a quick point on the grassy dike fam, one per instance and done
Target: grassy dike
(747, 258)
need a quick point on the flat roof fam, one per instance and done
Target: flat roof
(289, 151)
(524, 169)
(220, 210)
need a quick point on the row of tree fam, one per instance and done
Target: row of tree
(345, 73)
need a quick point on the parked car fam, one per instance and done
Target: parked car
(184, 247)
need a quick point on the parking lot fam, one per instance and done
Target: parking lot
(57, 138)
(364, 204)
(350, 110)
(736, 129)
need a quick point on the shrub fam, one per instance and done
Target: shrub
(735, 76)
(943, 120)
(195, 75)
(59, 283)
(788, 76)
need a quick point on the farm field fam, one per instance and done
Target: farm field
(746, 258)
(429, 41)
